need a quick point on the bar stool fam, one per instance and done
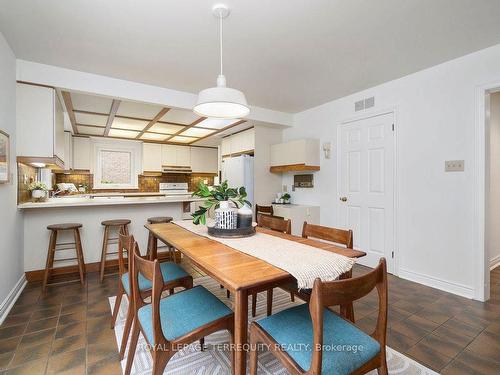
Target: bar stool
(152, 250)
(54, 246)
(122, 226)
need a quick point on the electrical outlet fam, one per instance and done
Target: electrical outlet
(454, 165)
(285, 189)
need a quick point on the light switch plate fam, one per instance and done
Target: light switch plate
(454, 165)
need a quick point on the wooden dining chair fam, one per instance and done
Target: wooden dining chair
(173, 276)
(329, 343)
(338, 236)
(266, 210)
(277, 224)
(170, 323)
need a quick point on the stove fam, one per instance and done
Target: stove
(174, 188)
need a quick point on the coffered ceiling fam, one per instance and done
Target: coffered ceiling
(106, 117)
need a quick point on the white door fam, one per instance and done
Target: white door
(366, 186)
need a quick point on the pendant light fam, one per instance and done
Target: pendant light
(221, 101)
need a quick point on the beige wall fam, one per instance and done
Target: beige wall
(494, 197)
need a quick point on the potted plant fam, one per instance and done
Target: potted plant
(38, 190)
(219, 198)
(286, 198)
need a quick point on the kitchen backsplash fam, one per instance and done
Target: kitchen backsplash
(26, 174)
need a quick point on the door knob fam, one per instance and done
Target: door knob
(343, 199)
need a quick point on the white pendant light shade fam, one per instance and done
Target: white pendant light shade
(221, 101)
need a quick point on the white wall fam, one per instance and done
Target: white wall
(434, 122)
(11, 226)
(494, 194)
(266, 184)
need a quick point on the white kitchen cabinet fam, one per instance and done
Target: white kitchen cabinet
(151, 157)
(302, 151)
(239, 142)
(183, 156)
(174, 155)
(297, 213)
(226, 146)
(204, 160)
(40, 122)
(68, 151)
(81, 153)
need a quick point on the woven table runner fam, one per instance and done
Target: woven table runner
(304, 262)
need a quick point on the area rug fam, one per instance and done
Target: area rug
(215, 358)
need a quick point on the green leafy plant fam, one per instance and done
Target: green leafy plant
(216, 195)
(37, 185)
(286, 197)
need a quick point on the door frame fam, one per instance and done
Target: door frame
(364, 116)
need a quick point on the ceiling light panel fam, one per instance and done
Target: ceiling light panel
(91, 103)
(88, 119)
(123, 133)
(196, 132)
(180, 116)
(179, 139)
(88, 130)
(138, 110)
(129, 124)
(216, 123)
(154, 137)
(165, 128)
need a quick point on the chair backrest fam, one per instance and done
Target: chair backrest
(267, 210)
(341, 292)
(125, 245)
(274, 223)
(151, 271)
(339, 236)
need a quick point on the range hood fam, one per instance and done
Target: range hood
(175, 169)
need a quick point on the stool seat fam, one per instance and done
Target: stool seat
(115, 222)
(160, 219)
(64, 226)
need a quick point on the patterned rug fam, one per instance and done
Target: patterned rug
(215, 358)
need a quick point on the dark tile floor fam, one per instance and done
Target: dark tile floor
(67, 330)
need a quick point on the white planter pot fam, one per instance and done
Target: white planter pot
(226, 217)
(37, 194)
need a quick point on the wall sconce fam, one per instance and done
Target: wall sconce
(327, 146)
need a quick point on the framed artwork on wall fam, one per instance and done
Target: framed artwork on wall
(4, 157)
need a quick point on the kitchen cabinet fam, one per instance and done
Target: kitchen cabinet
(151, 157)
(174, 155)
(68, 151)
(81, 153)
(242, 142)
(40, 123)
(297, 213)
(302, 154)
(204, 160)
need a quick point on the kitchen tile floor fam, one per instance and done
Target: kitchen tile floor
(67, 331)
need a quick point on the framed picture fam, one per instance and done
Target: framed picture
(4, 157)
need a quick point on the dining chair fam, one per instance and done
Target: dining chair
(173, 276)
(169, 324)
(337, 236)
(267, 210)
(328, 343)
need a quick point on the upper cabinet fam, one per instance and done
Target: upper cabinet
(81, 153)
(151, 157)
(175, 156)
(239, 143)
(204, 160)
(40, 124)
(295, 156)
(68, 151)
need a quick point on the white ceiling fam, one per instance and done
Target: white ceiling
(287, 55)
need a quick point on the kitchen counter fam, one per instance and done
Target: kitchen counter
(107, 199)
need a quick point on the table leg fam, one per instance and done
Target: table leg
(240, 331)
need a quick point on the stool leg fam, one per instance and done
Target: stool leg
(150, 244)
(78, 249)
(104, 251)
(154, 247)
(254, 304)
(124, 229)
(50, 258)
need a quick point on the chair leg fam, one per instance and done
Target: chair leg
(160, 360)
(79, 257)
(126, 331)
(254, 305)
(382, 370)
(103, 253)
(202, 344)
(292, 297)
(253, 353)
(50, 259)
(118, 302)
(231, 346)
(133, 346)
(269, 302)
(228, 294)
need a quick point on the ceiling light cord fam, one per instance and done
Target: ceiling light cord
(221, 27)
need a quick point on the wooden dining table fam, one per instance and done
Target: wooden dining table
(240, 273)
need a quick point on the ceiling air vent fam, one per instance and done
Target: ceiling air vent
(364, 104)
(359, 105)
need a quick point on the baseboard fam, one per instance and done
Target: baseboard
(11, 298)
(434, 282)
(495, 262)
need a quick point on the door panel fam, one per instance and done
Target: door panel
(366, 186)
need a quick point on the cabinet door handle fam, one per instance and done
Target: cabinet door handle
(343, 199)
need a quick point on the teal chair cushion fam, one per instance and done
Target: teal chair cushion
(346, 348)
(169, 271)
(183, 312)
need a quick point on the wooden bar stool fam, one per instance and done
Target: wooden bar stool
(54, 246)
(122, 226)
(152, 249)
